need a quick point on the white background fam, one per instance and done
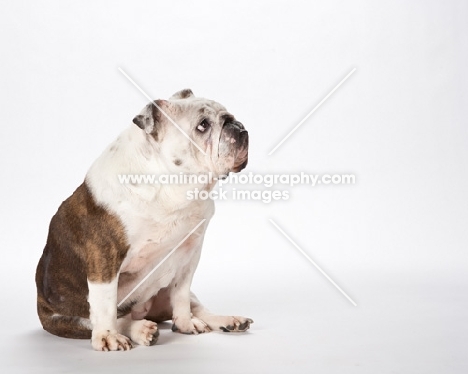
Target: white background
(395, 241)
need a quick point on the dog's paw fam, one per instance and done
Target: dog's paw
(144, 332)
(190, 326)
(228, 323)
(236, 324)
(110, 341)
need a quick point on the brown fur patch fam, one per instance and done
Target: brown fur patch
(85, 241)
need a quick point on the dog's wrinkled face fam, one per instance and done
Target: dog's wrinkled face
(215, 131)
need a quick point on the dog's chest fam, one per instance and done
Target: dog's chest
(150, 241)
(150, 248)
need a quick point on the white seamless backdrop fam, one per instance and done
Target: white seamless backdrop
(395, 241)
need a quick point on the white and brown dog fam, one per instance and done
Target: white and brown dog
(107, 236)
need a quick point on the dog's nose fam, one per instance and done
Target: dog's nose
(235, 125)
(239, 125)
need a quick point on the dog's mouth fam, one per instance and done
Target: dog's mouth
(234, 146)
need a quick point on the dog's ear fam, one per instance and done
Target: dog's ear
(182, 94)
(148, 119)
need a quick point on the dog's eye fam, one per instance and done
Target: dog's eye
(203, 126)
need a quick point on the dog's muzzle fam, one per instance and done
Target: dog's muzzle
(239, 143)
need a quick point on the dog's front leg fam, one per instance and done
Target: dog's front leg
(102, 300)
(219, 322)
(182, 318)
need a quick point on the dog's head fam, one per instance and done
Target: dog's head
(195, 135)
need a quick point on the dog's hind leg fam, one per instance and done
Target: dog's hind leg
(142, 332)
(65, 326)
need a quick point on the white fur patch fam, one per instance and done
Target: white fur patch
(102, 300)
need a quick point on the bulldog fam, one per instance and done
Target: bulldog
(119, 257)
